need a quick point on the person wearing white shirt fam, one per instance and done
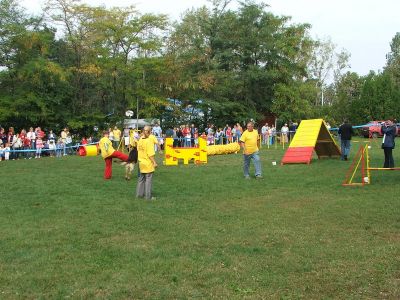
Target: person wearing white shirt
(31, 135)
(284, 132)
(264, 133)
(157, 131)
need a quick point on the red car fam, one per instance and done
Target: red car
(373, 129)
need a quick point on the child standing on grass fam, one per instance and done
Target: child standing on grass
(7, 151)
(59, 147)
(39, 147)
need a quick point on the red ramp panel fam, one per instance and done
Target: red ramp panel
(296, 155)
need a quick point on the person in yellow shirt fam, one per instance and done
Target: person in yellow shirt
(108, 153)
(147, 165)
(250, 142)
(117, 137)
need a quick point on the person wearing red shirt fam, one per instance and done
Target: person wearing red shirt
(39, 147)
(26, 145)
(39, 133)
(228, 134)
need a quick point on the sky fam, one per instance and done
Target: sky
(364, 28)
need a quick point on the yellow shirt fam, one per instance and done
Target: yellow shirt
(250, 141)
(145, 149)
(106, 147)
(117, 134)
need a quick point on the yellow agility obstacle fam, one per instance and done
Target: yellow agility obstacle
(362, 160)
(198, 154)
(88, 150)
(223, 149)
(312, 135)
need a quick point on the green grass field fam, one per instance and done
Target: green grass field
(67, 233)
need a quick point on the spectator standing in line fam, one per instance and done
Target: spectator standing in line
(26, 144)
(7, 149)
(147, 165)
(3, 137)
(10, 136)
(250, 142)
(51, 139)
(39, 147)
(239, 131)
(157, 132)
(388, 130)
(228, 135)
(175, 137)
(264, 133)
(32, 141)
(22, 136)
(169, 133)
(193, 130)
(111, 137)
(40, 133)
(179, 135)
(224, 138)
(117, 137)
(59, 147)
(68, 142)
(210, 129)
(16, 145)
(345, 131)
(273, 134)
(63, 135)
(210, 138)
(196, 137)
(284, 133)
(233, 133)
(185, 136)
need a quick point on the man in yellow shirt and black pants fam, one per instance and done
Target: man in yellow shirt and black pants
(249, 141)
(147, 165)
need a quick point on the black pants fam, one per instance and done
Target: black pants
(389, 162)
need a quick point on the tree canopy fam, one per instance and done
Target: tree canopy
(79, 65)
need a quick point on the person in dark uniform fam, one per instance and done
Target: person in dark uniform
(388, 130)
(345, 132)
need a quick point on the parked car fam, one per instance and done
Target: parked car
(373, 129)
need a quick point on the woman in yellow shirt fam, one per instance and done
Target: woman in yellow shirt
(147, 165)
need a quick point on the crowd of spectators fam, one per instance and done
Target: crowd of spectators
(36, 143)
